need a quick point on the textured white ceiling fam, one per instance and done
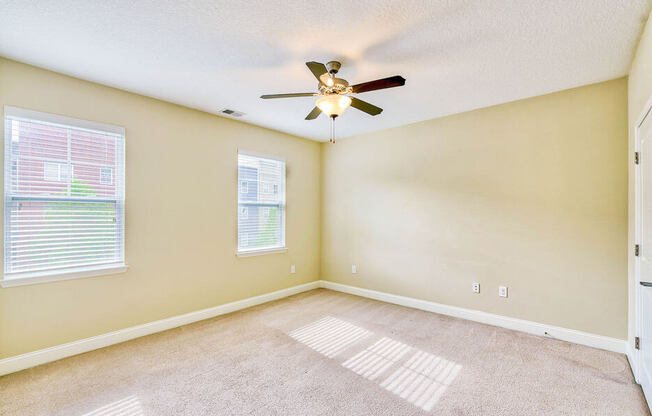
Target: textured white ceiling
(456, 55)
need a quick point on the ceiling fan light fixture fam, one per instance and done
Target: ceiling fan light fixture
(333, 105)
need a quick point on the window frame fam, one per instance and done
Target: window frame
(70, 272)
(283, 205)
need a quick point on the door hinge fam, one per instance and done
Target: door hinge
(637, 250)
(637, 343)
(637, 158)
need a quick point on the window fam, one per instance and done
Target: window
(51, 171)
(61, 217)
(244, 187)
(262, 228)
(55, 172)
(106, 176)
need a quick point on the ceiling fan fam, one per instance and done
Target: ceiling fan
(335, 92)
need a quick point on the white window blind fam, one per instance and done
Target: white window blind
(64, 193)
(261, 213)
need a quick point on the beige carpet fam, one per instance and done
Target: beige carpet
(327, 353)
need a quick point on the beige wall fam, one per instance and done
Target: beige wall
(180, 215)
(640, 91)
(530, 194)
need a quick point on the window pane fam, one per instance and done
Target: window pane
(45, 167)
(48, 235)
(261, 203)
(51, 171)
(93, 156)
(106, 176)
(262, 226)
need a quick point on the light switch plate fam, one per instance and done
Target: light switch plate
(502, 291)
(292, 269)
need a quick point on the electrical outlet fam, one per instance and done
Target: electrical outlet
(292, 269)
(502, 291)
(354, 269)
(476, 287)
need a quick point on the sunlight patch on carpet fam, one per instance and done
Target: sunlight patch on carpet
(329, 336)
(422, 379)
(129, 406)
(377, 358)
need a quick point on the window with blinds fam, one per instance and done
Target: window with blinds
(64, 194)
(261, 202)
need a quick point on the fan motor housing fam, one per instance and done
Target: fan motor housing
(340, 86)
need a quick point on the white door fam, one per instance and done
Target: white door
(644, 259)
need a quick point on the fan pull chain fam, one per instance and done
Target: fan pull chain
(332, 140)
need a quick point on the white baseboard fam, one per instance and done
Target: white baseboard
(570, 335)
(31, 359)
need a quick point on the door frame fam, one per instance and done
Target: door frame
(647, 111)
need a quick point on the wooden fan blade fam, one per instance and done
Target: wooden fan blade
(365, 106)
(295, 94)
(313, 114)
(379, 84)
(317, 68)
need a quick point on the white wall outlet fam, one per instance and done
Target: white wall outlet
(476, 287)
(354, 269)
(293, 269)
(502, 291)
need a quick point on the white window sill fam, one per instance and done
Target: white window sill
(262, 252)
(30, 278)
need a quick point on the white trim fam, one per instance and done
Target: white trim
(633, 364)
(262, 252)
(632, 242)
(570, 335)
(635, 355)
(31, 359)
(646, 109)
(63, 120)
(629, 352)
(261, 155)
(30, 278)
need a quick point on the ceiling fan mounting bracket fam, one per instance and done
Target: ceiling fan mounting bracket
(333, 67)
